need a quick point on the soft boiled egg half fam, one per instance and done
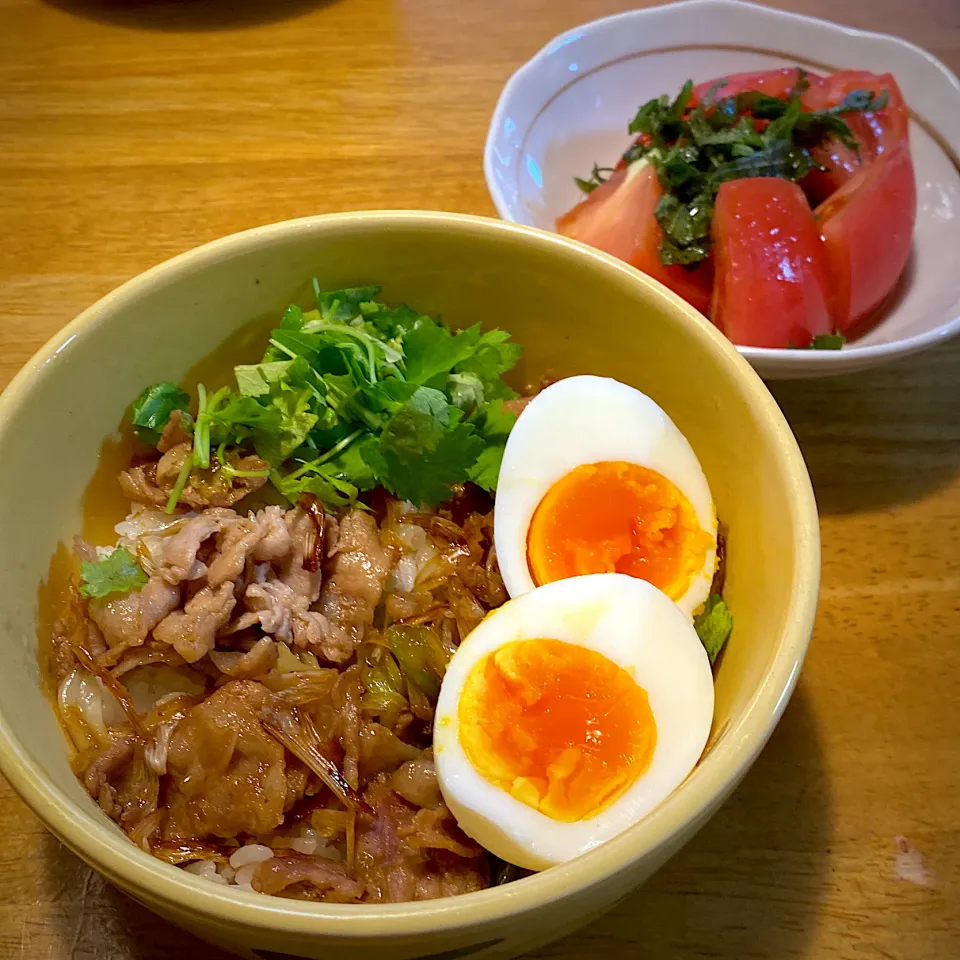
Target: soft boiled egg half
(569, 714)
(596, 478)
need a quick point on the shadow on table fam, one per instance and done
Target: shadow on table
(750, 883)
(881, 437)
(187, 15)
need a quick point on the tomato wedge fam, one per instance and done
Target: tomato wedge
(867, 228)
(878, 132)
(618, 218)
(774, 83)
(778, 274)
(772, 279)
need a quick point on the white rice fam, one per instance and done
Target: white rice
(251, 854)
(244, 877)
(205, 869)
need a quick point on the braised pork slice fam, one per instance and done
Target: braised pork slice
(381, 750)
(192, 631)
(275, 541)
(261, 658)
(359, 572)
(416, 782)
(174, 433)
(73, 629)
(273, 605)
(236, 542)
(306, 878)
(408, 854)
(293, 572)
(126, 619)
(104, 768)
(227, 774)
(139, 484)
(151, 483)
(345, 699)
(181, 548)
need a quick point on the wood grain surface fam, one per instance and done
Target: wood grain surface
(131, 131)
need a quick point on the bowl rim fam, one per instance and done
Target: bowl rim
(99, 843)
(803, 362)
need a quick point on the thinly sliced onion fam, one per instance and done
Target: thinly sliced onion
(156, 753)
(183, 851)
(71, 713)
(295, 730)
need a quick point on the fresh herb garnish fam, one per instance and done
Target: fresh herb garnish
(152, 409)
(822, 341)
(713, 625)
(597, 176)
(828, 341)
(695, 149)
(357, 394)
(118, 572)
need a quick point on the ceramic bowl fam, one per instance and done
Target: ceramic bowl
(569, 106)
(541, 288)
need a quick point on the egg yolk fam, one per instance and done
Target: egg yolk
(617, 517)
(559, 727)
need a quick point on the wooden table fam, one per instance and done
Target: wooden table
(130, 131)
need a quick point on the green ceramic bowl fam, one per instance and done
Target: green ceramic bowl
(575, 311)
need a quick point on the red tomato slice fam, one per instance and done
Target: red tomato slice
(772, 278)
(774, 83)
(867, 229)
(877, 132)
(618, 218)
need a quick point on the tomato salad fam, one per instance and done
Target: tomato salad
(779, 203)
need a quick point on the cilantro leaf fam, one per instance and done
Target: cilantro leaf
(428, 479)
(292, 318)
(235, 418)
(151, 411)
(495, 424)
(118, 572)
(496, 421)
(713, 625)
(324, 484)
(492, 357)
(465, 390)
(287, 343)
(417, 425)
(430, 349)
(285, 425)
(344, 304)
(255, 379)
(358, 463)
(393, 322)
(486, 471)
(355, 394)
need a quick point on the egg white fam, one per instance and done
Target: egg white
(636, 626)
(588, 420)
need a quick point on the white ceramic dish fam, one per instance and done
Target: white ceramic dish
(569, 106)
